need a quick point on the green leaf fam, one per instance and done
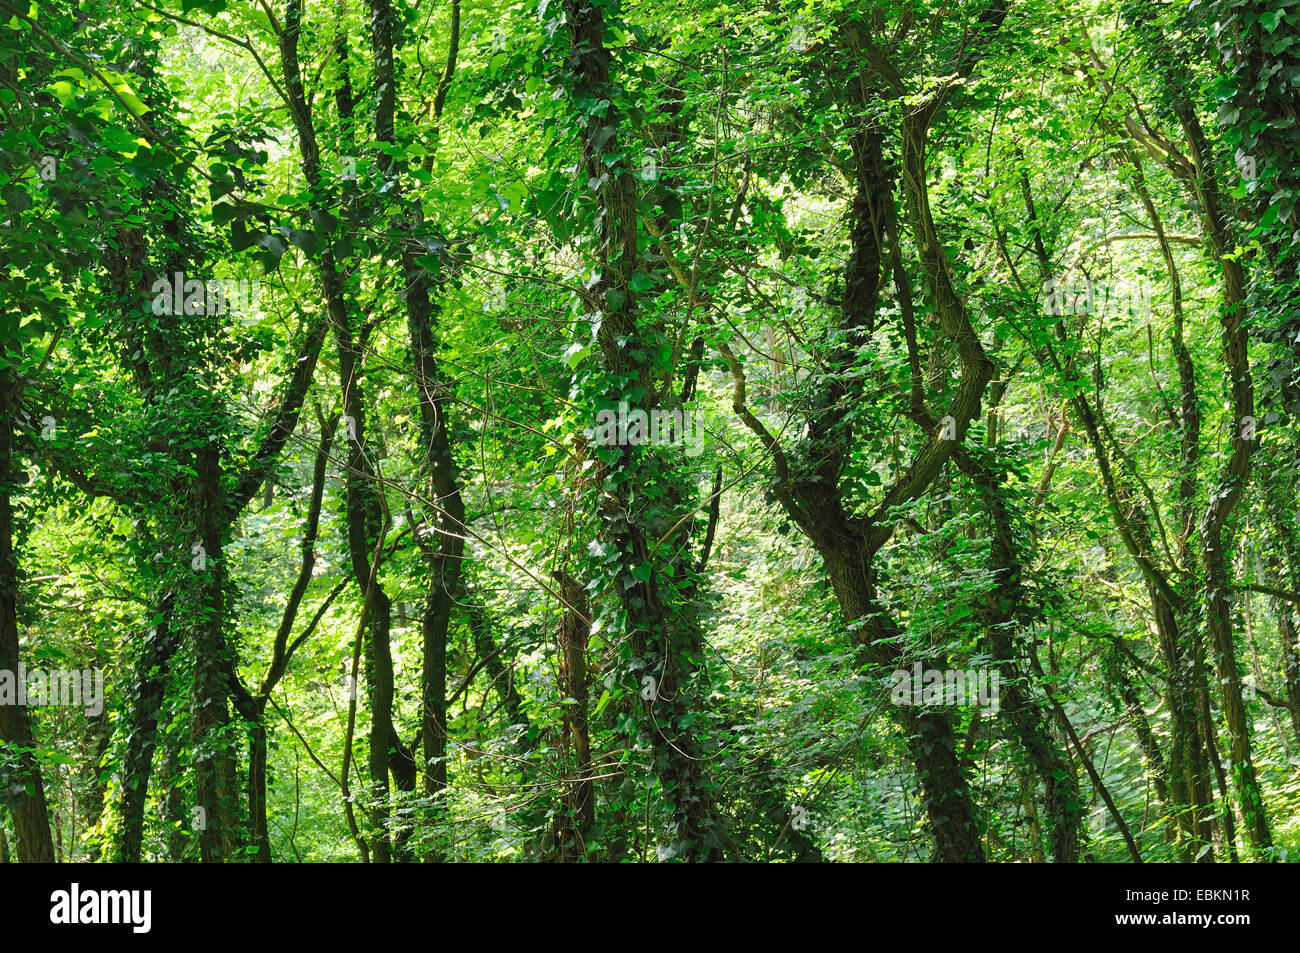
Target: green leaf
(307, 241)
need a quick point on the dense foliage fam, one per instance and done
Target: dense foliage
(649, 431)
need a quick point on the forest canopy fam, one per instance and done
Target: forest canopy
(649, 430)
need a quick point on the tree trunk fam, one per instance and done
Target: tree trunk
(143, 706)
(572, 824)
(215, 784)
(661, 634)
(443, 538)
(26, 786)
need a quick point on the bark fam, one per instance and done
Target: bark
(489, 654)
(1098, 785)
(144, 706)
(1196, 171)
(1216, 533)
(253, 709)
(442, 540)
(1286, 631)
(812, 496)
(215, 785)
(1141, 725)
(366, 510)
(179, 824)
(1133, 516)
(1028, 719)
(1284, 565)
(30, 812)
(1034, 827)
(931, 737)
(662, 630)
(98, 737)
(573, 822)
(1003, 611)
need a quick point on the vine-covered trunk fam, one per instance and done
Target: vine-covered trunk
(661, 627)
